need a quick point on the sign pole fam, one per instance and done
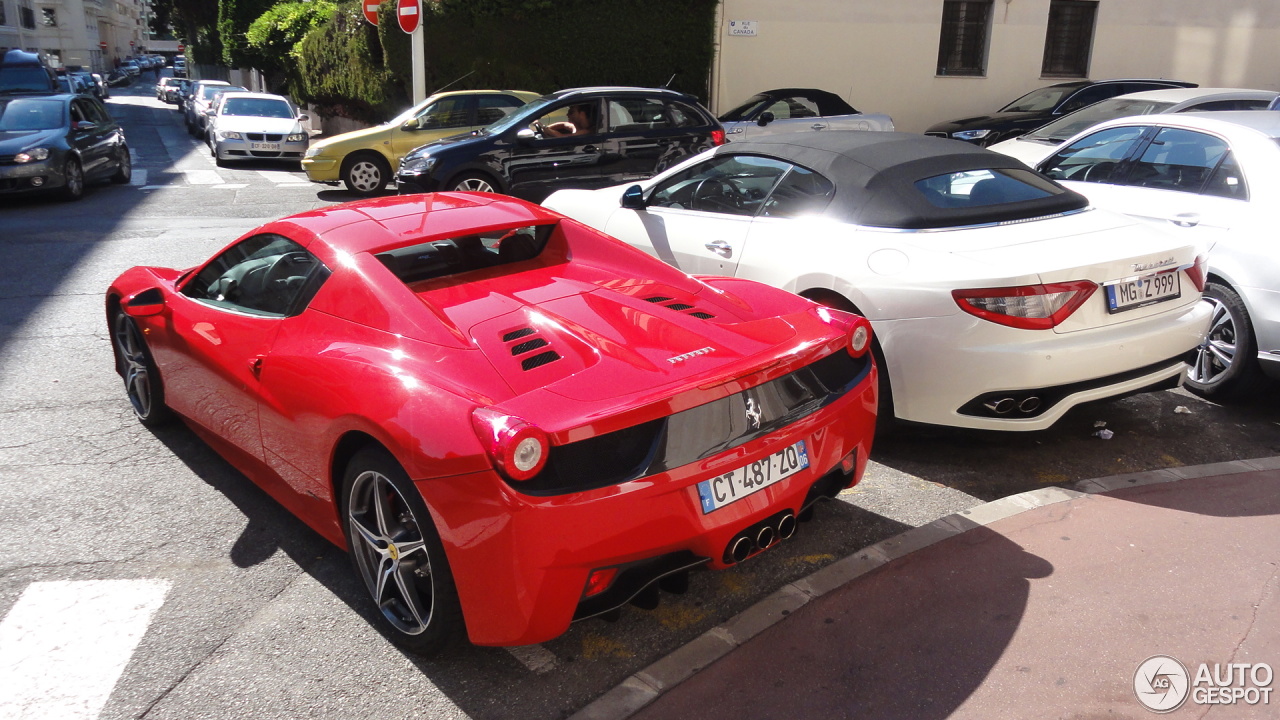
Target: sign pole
(419, 65)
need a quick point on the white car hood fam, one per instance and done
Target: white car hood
(249, 123)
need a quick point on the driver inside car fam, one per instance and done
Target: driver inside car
(581, 121)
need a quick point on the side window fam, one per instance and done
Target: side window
(728, 184)
(1226, 181)
(793, 107)
(1091, 95)
(637, 114)
(92, 112)
(801, 192)
(262, 275)
(1178, 160)
(448, 112)
(1094, 158)
(681, 115)
(492, 108)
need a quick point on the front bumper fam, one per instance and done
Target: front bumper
(31, 177)
(321, 169)
(521, 562)
(231, 149)
(408, 183)
(939, 366)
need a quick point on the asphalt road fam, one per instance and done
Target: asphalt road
(254, 615)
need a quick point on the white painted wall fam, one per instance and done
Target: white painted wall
(882, 56)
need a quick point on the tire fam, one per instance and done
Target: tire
(124, 166)
(1226, 363)
(391, 537)
(474, 182)
(73, 173)
(142, 383)
(365, 174)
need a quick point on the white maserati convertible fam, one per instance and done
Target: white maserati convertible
(999, 299)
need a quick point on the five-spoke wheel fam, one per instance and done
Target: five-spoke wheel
(141, 379)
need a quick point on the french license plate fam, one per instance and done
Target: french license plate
(1142, 291)
(264, 146)
(729, 487)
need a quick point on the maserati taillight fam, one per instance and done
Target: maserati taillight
(1198, 273)
(517, 448)
(1030, 307)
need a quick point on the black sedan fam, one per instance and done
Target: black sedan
(1039, 107)
(59, 143)
(581, 138)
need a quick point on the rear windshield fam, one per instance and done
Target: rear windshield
(24, 78)
(1069, 125)
(985, 188)
(453, 256)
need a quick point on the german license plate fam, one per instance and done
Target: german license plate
(264, 146)
(1142, 291)
(732, 486)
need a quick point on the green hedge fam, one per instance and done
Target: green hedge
(532, 45)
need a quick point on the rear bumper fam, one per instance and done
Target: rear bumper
(521, 563)
(983, 359)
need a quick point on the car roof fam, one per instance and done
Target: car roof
(874, 173)
(607, 89)
(1179, 95)
(1265, 122)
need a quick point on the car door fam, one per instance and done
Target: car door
(91, 135)
(224, 320)
(698, 220)
(447, 116)
(536, 165)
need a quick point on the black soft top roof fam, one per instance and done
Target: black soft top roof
(874, 174)
(828, 103)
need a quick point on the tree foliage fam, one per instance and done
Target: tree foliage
(273, 42)
(234, 19)
(341, 67)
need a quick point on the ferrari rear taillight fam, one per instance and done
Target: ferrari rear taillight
(860, 338)
(518, 449)
(1030, 307)
(717, 137)
(1198, 273)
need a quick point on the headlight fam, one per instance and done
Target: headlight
(32, 155)
(296, 137)
(421, 165)
(230, 135)
(971, 134)
(313, 151)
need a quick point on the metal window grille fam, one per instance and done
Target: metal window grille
(1069, 38)
(962, 49)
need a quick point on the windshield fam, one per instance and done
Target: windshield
(517, 116)
(257, 107)
(1040, 100)
(745, 110)
(1068, 125)
(30, 114)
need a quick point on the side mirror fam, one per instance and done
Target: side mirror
(633, 198)
(147, 302)
(410, 125)
(765, 118)
(526, 135)
(83, 126)
(303, 117)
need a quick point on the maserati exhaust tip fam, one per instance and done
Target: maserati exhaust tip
(787, 526)
(740, 548)
(1029, 405)
(1003, 406)
(766, 537)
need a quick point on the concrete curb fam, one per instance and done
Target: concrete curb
(646, 685)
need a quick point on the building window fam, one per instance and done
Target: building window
(966, 25)
(1069, 39)
(3, 20)
(28, 17)
(50, 17)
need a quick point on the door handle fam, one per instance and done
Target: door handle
(590, 148)
(817, 126)
(255, 366)
(1186, 219)
(721, 248)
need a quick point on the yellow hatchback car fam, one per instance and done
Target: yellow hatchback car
(366, 160)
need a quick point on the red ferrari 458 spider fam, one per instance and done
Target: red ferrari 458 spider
(511, 421)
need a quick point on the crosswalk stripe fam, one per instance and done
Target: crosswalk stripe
(139, 177)
(202, 177)
(64, 645)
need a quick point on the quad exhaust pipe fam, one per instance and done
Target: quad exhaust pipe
(761, 536)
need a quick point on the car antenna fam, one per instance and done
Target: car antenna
(449, 85)
(670, 80)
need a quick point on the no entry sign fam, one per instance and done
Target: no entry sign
(408, 14)
(370, 11)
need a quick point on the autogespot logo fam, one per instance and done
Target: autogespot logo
(1161, 683)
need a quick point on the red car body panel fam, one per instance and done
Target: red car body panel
(374, 359)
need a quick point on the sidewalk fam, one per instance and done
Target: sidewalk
(1040, 605)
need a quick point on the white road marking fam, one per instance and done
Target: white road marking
(202, 177)
(64, 645)
(231, 186)
(535, 657)
(139, 177)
